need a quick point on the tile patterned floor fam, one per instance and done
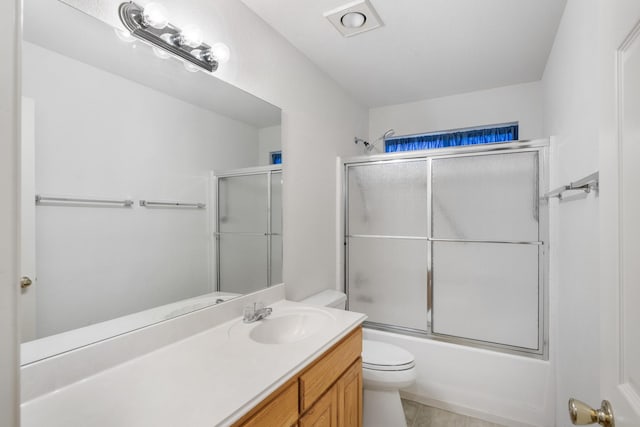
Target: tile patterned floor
(419, 415)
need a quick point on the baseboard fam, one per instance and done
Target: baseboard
(463, 410)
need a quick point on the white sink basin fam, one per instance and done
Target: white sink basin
(285, 326)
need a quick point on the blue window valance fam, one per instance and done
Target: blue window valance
(276, 157)
(453, 139)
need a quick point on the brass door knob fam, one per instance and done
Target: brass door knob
(582, 414)
(25, 282)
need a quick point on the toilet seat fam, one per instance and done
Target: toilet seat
(380, 356)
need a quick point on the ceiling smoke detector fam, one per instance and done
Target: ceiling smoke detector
(354, 18)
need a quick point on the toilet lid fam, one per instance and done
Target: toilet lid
(381, 356)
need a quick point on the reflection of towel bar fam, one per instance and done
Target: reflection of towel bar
(586, 184)
(78, 200)
(150, 204)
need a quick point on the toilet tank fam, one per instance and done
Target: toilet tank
(327, 298)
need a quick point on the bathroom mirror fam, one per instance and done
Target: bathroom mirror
(120, 157)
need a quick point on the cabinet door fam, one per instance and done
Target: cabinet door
(324, 413)
(350, 396)
(282, 410)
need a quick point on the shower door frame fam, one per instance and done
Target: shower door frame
(541, 147)
(269, 171)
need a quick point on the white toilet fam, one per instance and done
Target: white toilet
(386, 368)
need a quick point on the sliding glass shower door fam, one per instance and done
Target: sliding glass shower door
(249, 230)
(450, 245)
(485, 248)
(387, 242)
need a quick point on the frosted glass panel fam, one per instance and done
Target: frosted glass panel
(388, 199)
(388, 281)
(490, 197)
(243, 203)
(243, 263)
(276, 202)
(487, 292)
(276, 260)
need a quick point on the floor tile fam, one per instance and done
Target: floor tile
(418, 415)
(410, 411)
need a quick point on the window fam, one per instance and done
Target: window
(485, 135)
(276, 157)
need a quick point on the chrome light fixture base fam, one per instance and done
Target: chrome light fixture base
(167, 38)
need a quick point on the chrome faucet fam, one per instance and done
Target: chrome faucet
(255, 312)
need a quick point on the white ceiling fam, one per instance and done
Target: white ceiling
(426, 48)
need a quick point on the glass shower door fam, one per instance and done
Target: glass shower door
(486, 249)
(243, 233)
(450, 246)
(387, 242)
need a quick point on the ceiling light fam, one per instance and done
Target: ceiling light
(353, 19)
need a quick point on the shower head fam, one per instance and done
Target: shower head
(366, 144)
(370, 146)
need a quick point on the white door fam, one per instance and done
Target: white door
(620, 209)
(27, 223)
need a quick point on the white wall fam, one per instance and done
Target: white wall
(270, 139)
(519, 103)
(570, 99)
(99, 135)
(10, 29)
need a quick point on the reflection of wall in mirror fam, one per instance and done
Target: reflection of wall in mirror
(98, 134)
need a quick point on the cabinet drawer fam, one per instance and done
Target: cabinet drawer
(319, 377)
(282, 410)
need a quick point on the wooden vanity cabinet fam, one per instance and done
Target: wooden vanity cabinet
(327, 393)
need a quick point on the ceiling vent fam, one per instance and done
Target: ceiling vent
(354, 18)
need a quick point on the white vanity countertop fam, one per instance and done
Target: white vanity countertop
(209, 379)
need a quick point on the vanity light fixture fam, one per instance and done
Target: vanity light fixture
(150, 24)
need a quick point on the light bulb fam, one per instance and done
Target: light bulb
(124, 35)
(161, 53)
(221, 52)
(190, 67)
(353, 20)
(155, 15)
(191, 36)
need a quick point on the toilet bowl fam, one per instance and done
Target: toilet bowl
(386, 369)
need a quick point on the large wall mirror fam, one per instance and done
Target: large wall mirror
(147, 190)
